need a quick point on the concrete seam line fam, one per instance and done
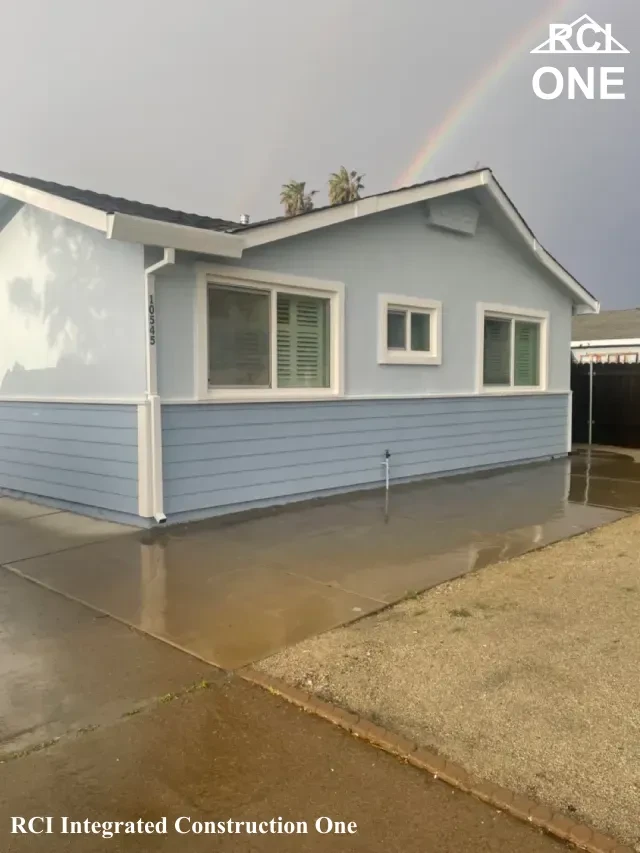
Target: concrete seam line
(517, 805)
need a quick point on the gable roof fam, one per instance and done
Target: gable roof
(606, 326)
(132, 221)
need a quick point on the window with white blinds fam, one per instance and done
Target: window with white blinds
(511, 352)
(302, 341)
(267, 338)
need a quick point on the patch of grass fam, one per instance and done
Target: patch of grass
(168, 697)
(29, 750)
(192, 688)
(460, 613)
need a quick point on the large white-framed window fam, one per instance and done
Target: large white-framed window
(513, 349)
(409, 330)
(265, 336)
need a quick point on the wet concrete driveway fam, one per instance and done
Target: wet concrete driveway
(234, 591)
(144, 732)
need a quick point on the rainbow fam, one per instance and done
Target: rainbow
(460, 111)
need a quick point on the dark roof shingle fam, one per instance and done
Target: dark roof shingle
(607, 325)
(114, 204)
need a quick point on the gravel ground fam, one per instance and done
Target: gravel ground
(526, 672)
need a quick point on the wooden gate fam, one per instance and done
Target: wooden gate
(615, 404)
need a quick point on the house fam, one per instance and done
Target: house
(610, 337)
(162, 366)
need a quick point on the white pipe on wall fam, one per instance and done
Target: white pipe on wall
(154, 420)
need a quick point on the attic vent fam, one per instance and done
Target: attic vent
(244, 219)
(453, 214)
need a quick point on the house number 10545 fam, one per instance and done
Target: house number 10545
(152, 321)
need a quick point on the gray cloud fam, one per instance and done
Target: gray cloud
(210, 105)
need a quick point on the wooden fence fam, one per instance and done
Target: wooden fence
(615, 404)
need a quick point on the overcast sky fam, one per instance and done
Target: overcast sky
(210, 105)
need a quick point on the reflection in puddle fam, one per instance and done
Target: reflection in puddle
(235, 591)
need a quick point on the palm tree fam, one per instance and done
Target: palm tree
(344, 186)
(295, 199)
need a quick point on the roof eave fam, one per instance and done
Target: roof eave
(584, 302)
(155, 232)
(259, 235)
(64, 207)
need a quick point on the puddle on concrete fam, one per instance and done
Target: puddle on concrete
(237, 590)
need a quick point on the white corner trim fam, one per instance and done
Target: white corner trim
(433, 307)
(273, 282)
(154, 232)
(43, 200)
(145, 503)
(365, 207)
(620, 342)
(511, 312)
(570, 422)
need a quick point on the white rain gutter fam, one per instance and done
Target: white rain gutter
(151, 428)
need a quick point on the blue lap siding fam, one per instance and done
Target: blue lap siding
(81, 455)
(225, 458)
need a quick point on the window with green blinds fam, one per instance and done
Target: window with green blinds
(302, 341)
(511, 355)
(497, 351)
(526, 353)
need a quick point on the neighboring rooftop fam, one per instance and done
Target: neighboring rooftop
(607, 326)
(114, 204)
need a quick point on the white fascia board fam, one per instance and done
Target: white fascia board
(614, 342)
(154, 232)
(365, 207)
(581, 296)
(43, 200)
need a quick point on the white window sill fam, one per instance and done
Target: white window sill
(268, 396)
(502, 390)
(409, 358)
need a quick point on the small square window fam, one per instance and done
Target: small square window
(409, 331)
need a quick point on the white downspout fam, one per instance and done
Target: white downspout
(154, 423)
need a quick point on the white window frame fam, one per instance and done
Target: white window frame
(272, 283)
(391, 301)
(510, 312)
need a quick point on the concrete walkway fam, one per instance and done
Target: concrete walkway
(101, 723)
(237, 590)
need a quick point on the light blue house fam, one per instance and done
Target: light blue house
(156, 365)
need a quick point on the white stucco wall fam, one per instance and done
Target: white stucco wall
(72, 311)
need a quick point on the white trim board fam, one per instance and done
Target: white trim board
(351, 398)
(86, 401)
